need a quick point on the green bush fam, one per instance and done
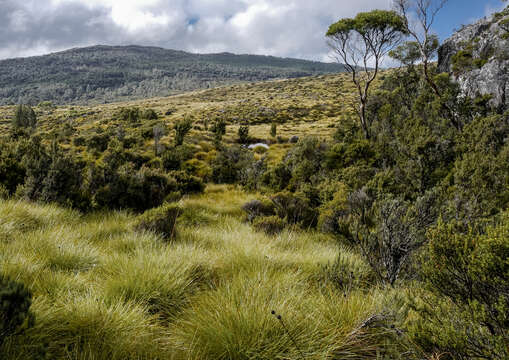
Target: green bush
(465, 311)
(15, 314)
(270, 225)
(273, 130)
(295, 209)
(24, 117)
(12, 171)
(149, 114)
(131, 115)
(188, 184)
(347, 273)
(98, 142)
(229, 164)
(127, 188)
(243, 134)
(161, 220)
(182, 128)
(256, 208)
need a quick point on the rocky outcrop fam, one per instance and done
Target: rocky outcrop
(478, 58)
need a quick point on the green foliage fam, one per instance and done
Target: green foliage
(295, 209)
(270, 225)
(230, 164)
(131, 115)
(273, 130)
(407, 54)
(127, 188)
(24, 117)
(370, 35)
(12, 171)
(161, 220)
(347, 274)
(188, 184)
(257, 208)
(243, 134)
(470, 270)
(218, 129)
(15, 314)
(182, 128)
(121, 73)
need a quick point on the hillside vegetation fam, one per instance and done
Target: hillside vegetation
(151, 229)
(103, 74)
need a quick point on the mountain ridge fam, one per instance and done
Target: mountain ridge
(102, 73)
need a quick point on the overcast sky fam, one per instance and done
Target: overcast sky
(288, 28)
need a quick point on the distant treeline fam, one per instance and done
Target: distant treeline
(102, 74)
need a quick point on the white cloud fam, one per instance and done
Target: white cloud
(291, 28)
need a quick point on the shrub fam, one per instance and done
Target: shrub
(256, 208)
(149, 114)
(273, 130)
(347, 273)
(229, 164)
(294, 209)
(131, 115)
(182, 128)
(161, 220)
(127, 188)
(466, 273)
(24, 117)
(79, 141)
(98, 142)
(270, 225)
(15, 314)
(12, 172)
(188, 184)
(172, 159)
(243, 134)
(218, 129)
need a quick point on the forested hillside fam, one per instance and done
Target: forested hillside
(102, 74)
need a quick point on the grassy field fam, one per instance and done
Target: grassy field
(104, 291)
(305, 106)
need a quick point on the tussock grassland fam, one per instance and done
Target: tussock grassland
(103, 291)
(300, 107)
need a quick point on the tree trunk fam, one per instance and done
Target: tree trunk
(362, 116)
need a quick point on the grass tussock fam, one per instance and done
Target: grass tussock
(105, 291)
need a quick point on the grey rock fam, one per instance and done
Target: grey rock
(486, 41)
(294, 139)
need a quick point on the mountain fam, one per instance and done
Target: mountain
(478, 58)
(102, 74)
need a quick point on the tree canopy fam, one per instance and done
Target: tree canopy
(361, 44)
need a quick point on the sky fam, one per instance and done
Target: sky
(286, 28)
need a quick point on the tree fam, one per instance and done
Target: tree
(219, 129)
(182, 128)
(273, 130)
(361, 44)
(159, 132)
(244, 134)
(425, 11)
(24, 117)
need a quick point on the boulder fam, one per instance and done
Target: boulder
(477, 56)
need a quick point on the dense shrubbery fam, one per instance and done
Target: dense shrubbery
(464, 311)
(161, 220)
(230, 163)
(271, 225)
(15, 314)
(116, 179)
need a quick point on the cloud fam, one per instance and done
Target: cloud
(288, 28)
